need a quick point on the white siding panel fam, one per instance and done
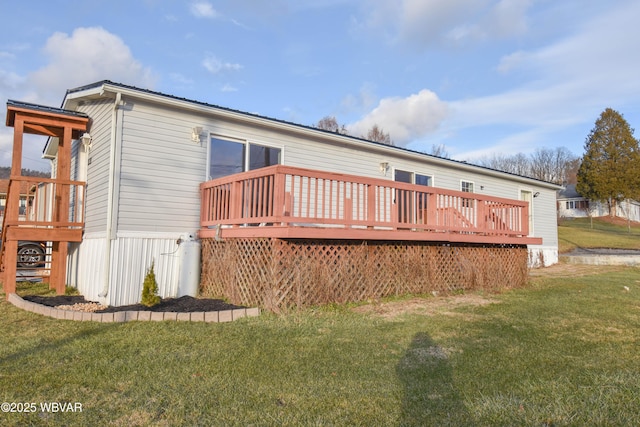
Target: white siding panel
(98, 169)
(85, 267)
(132, 256)
(161, 170)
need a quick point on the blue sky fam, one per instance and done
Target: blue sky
(481, 77)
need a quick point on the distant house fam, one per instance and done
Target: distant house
(573, 205)
(266, 197)
(24, 196)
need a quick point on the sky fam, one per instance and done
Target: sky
(479, 77)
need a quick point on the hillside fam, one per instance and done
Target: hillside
(606, 233)
(5, 172)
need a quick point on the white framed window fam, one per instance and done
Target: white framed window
(228, 156)
(412, 177)
(467, 186)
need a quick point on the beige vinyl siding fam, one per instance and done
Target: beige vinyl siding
(160, 171)
(98, 169)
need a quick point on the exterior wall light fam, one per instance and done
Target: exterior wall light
(384, 167)
(86, 141)
(195, 133)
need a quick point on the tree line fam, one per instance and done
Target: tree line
(5, 173)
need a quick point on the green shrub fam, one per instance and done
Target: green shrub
(150, 288)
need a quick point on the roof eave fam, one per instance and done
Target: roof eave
(108, 88)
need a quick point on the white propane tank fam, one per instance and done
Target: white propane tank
(189, 279)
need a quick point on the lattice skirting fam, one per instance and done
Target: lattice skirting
(276, 274)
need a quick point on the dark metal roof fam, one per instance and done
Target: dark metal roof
(44, 108)
(205, 104)
(568, 192)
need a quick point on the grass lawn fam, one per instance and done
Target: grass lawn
(563, 351)
(605, 233)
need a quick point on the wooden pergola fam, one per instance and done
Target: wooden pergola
(53, 221)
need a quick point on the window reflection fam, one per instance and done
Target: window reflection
(228, 157)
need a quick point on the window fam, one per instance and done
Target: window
(577, 204)
(466, 186)
(261, 156)
(412, 178)
(423, 180)
(228, 157)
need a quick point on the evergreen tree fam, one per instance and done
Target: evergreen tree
(610, 168)
(150, 288)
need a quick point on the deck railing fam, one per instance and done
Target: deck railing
(42, 197)
(337, 205)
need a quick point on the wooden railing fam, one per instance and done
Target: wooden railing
(44, 198)
(328, 205)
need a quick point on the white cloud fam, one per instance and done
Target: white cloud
(364, 100)
(203, 9)
(181, 79)
(228, 88)
(449, 22)
(10, 81)
(215, 66)
(405, 119)
(573, 77)
(87, 55)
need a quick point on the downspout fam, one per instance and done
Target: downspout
(110, 201)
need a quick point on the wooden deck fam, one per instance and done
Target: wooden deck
(294, 203)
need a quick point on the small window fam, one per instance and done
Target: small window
(261, 156)
(466, 186)
(423, 180)
(403, 176)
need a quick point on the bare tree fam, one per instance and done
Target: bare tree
(517, 164)
(439, 151)
(330, 124)
(552, 165)
(376, 134)
(557, 165)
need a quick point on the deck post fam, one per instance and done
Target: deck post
(371, 204)
(524, 219)
(12, 210)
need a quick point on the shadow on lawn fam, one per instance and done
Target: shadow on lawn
(430, 397)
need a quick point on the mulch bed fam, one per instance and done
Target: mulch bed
(184, 304)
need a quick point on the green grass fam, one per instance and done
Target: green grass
(578, 233)
(560, 352)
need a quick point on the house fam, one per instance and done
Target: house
(24, 198)
(573, 205)
(268, 197)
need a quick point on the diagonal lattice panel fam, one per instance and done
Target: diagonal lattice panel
(276, 274)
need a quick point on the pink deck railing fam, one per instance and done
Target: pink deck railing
(283, 201)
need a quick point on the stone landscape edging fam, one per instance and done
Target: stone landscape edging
(129, 316)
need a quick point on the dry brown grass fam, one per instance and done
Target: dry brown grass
(424, 306)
